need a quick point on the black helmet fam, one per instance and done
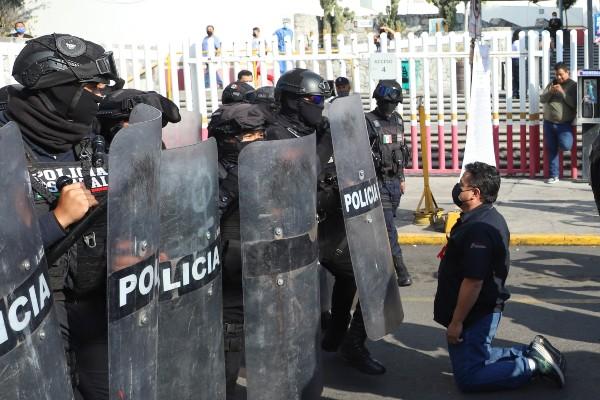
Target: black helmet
(56, 59)
(235, 92)
(388, 90)
(264, 94)
(301, 82)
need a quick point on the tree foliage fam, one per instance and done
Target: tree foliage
(334, 16)
(447, 10)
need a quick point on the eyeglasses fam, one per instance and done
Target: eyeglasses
(314, 99)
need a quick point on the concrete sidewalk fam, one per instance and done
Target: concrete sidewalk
(563, 213)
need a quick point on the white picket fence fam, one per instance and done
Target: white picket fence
(432, 60)
(438, 69)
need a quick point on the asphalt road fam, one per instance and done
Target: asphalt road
(555, 292)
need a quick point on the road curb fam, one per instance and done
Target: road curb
(518, 239)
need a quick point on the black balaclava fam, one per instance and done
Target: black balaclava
(42, 117)
(386, 107)
(73, 102)
(308, 114)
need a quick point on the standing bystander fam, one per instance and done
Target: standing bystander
(560, 109)
(470, 295)
(211, 40)
(283, 33)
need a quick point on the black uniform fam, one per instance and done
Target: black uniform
(227, 124)
(298, 92)
(390, 156)
(54, 111)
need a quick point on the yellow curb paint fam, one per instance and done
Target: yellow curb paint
(515, 239)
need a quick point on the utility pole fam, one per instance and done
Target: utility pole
(561, 7)
(591, 33)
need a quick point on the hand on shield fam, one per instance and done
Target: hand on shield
(74, 202)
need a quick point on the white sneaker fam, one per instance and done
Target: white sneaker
(553, 179)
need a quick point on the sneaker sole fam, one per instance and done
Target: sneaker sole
(554, 352)
(548, 357)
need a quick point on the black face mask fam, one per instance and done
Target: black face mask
(456, 191)
(209, 33)
(85, 108)
(386, 107)
(311, 114)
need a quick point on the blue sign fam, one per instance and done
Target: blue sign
(596, 28)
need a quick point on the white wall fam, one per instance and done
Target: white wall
(110, 20)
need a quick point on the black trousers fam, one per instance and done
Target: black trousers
(85, 333)
(335, 257)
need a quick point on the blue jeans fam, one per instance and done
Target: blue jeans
(555, 136)
(480, 367)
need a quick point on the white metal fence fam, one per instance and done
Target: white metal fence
(437, 69)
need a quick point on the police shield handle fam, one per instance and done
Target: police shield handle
(431, 213)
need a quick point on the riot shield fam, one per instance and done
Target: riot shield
(363, 217)
(133, 237)
(32, 353)
(191, 361)
(184, 133)
(280, 274)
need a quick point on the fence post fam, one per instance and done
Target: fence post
(586, 51)
(263, 65)
(187, 78)
(534, 116)
(426, 93)
(173, 65)
(315, 52)
(372, 49)
(148, 67)
(412, 84)
(573, 49)
(559, 46)
(162, 73)
(355, 63)
(135, 66)
(123, 64)
(495, 100)
(453, 102)
(200, 88)
(440, 102)
(275, 59)
(508, 61)
(522, 106)
(328, 63)
(302, 51)
(467, 77)
(341, 50)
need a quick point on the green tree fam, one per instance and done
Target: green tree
(334, 16)
(447, 10)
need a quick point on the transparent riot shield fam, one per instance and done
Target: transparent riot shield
(184, 133)
(32, 353)
(280, 274)
(133, 237)
(363, 216)
(191, 361)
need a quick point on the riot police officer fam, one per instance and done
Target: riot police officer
(63, 79)
(234, 126)
(390, 155)
(300, 95)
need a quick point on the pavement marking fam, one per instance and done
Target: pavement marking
(515, 299)
(520, 239)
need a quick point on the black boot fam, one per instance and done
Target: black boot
(404, 278)
(353, 349)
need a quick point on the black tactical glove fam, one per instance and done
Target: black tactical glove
(116, 107)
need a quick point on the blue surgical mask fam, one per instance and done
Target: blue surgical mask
(20, 30)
